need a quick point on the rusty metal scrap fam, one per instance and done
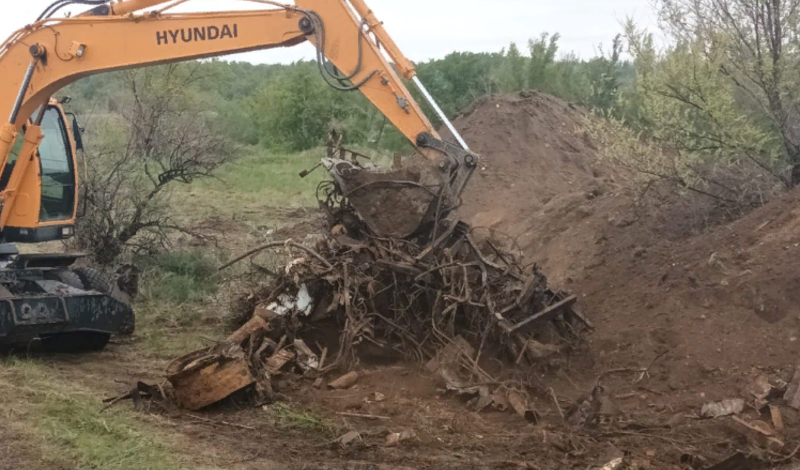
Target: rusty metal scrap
(444, 296)
(406, 298)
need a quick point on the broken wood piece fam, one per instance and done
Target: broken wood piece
(577, 313)
(537, 350)
(346, 381)
(792, 395)
(222, 423)
(306, 358)
(113, 400)
(760, 388)
(545, 314)
(276, 362)
(135, 394)
(519, 402)
(777, 418)
(757, 433)
(347, 438)
(266, 314)
(395, 438)
(558, 406)
(614, 464)
(400, 268)
(254, 325)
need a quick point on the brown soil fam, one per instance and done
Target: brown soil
(726, 297)
(722, 304)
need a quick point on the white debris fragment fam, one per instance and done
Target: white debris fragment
(304, 300)
(286, 303)
(722, 408)
(613, 465)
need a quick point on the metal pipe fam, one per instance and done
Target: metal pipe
(42, 110)
(439, 112)
(129, 6)
(26, 81)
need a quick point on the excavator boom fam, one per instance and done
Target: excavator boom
(353, 52)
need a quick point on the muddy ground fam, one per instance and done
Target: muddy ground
(687, 309)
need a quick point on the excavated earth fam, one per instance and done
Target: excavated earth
(711, 305)
(655, 270)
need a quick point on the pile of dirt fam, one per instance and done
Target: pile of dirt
(639, 260)
(717, 304)
(537, 173)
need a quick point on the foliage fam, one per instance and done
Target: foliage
(724, 92)
(178, 276)
(291, 417)
(543, 56)
(64, 423)
(162, 139)
(287, 108)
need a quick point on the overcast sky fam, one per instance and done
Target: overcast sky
(425, 29)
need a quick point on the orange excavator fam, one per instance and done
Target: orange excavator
(41, 295)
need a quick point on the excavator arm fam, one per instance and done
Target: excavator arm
(42, 58)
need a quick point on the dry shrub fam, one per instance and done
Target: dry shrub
(163, 138)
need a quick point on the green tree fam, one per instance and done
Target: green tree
(543, 56)
(735, 70)
(295, 109)
(603, 73)
(510, 77)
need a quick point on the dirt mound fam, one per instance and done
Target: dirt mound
(538, 177)
(542, 184)
(732, 293)
(716, 305)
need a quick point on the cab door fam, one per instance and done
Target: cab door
(45, 206)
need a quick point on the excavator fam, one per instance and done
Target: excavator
(42, 296)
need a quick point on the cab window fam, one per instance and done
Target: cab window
(58, 175)
(12, 160)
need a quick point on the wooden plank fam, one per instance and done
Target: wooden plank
(546, 313)
(577, 313)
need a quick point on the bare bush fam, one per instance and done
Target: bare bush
(162, 138)
(734, 187)
(725, 87)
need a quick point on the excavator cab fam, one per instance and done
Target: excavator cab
(42, 296)
(44, 208)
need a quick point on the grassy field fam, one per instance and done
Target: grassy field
(259, 180)
(53, 418)
(64, 422)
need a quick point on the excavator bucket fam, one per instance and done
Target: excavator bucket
(393, 204)
(403, 202)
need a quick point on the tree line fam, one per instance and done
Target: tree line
(289, 108)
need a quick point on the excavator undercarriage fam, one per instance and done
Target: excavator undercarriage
(42, 297)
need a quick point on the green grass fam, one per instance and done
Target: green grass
(289, 416)
(257, 183)
(64, 419)
(273, 177)
(174, 310)
(178, 276)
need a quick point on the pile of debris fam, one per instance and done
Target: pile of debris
(355, 296)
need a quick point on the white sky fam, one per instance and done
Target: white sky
(425, 29)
